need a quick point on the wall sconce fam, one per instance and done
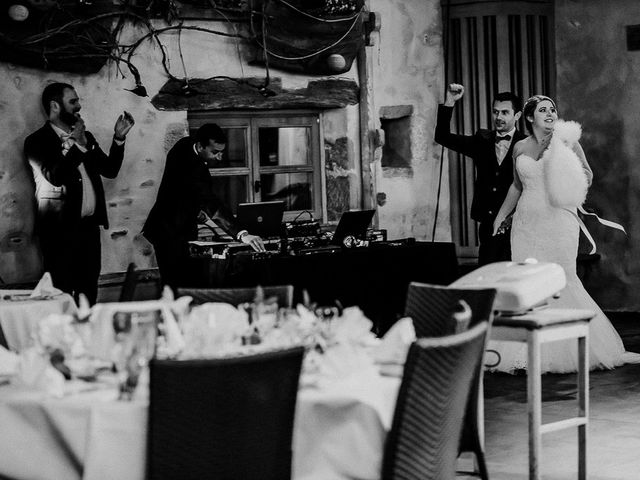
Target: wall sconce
(18, 12)
(336, 62)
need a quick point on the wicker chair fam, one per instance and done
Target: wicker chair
(431, 308)
(236, 296)
(224, 418)
(424, 436)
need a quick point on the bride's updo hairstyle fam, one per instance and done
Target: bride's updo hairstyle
(530, 107)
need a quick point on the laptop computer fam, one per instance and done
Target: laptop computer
(262, 218)
(352, 223)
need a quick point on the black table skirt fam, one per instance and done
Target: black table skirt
(373, 278)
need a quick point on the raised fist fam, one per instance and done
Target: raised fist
(455, 91)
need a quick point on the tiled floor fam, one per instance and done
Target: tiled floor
(614, 423)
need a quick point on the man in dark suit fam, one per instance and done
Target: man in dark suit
(67, 165)
(491, 151)
(186, 194)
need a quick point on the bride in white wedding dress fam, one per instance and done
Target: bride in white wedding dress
(551, 177)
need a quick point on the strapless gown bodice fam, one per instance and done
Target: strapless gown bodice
(540, 230)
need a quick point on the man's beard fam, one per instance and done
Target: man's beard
(68, 118)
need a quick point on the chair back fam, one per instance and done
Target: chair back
(237, 296)
(223, 418)
(129, 285)
(432, 307)
(424, 436)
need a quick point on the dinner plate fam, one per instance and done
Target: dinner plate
(23, 297)
(10, 294)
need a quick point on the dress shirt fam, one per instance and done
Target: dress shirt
(88, 192)
(502, 147)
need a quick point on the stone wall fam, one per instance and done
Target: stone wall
(408, 72)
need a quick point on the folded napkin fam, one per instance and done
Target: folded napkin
(181, 308)
(8, 362)
(84, 308)
(293, 327)
(352, 327)
(337, 362)
(36, 372)
(57, 331)
(395, 344)
(167, 294)
(214, 329)
(45, 288)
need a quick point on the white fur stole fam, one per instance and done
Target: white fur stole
(566, 180)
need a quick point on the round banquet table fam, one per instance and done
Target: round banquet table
(339, 431)
(19, 317)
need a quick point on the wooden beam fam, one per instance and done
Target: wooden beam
(245, 94)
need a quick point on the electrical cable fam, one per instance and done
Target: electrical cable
(184, 67)
(302, 213)
(313, 54)
(263, 89)
(324, 20)
(120, 51)
(445, 54)
(267, 79)
(235, 29)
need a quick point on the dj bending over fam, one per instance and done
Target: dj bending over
(185, 192)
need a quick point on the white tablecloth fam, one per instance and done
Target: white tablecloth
(18, 318)
(339, 432)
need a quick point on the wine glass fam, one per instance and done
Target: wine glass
(137, 349)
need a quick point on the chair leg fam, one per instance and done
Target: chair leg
(479, 468)
(482, 465)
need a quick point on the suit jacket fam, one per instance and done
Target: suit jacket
(186, 189)
(492, 179)
(58, 181)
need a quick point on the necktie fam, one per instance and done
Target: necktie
(506, 138)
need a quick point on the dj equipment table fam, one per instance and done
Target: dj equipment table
(375, 278)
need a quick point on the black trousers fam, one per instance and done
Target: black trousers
(173, 258)
(73, 257)
(493, 249)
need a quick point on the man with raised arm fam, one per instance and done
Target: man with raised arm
(491, 151)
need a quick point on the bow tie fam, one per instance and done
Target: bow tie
(505, 138)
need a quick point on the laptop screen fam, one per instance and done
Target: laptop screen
(352, 223)
(261, 218)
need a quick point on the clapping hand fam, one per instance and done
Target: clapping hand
(78, 132)
(123, 124)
